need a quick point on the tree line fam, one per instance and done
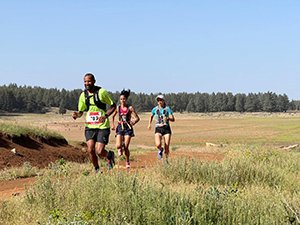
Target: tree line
(27, 99)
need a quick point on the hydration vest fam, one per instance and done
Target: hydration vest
(161, 116)
(164, 112)
(97, 101)
(123, 117)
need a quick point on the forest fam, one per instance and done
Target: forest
(28, 99)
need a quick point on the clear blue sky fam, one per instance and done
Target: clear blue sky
(237, 46)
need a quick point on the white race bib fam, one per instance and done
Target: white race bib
(93, 118)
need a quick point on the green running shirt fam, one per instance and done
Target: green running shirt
(93, 114)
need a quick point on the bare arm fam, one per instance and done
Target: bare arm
(111, 109)
(112, 124)
(135, 115)
(172, 118)
(150, 121)
(108, 113)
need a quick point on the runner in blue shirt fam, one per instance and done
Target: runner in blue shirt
(163, 115)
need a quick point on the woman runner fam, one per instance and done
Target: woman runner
(163, 115)
(127, 118)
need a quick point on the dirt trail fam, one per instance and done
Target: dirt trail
(17, 187)
(12, 188)
(39, 154)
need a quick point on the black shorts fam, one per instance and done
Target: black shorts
(98, 135)
(124, 130)
(163, 130)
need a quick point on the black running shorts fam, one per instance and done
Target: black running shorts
(163, 130)
(98, 135)
(124, 130)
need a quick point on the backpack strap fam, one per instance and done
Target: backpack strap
(121, 114)
(123, 118)
(165, 112)
(97, 101)
(157, 111)
(87, 99)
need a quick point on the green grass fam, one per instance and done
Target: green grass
(256, 183)
(283, 129)
(253, 185)
(19, 130)
(26, 170)
(243, 166)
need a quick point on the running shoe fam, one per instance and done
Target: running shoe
(128, 165)
(97, 169)
(160, 153)
(110, 159)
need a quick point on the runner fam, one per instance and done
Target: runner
(93, 101)
(163, 115)
(127, 119)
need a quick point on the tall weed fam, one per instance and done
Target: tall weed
(271, 168)
(216, 194)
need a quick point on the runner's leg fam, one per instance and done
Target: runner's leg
(92, 154)
(167, 140)
(100, 150)
(158, 140)
(126, 149)
(119, 140)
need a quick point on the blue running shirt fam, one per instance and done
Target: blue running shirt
(161, 115)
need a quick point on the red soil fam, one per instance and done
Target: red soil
(39, 154)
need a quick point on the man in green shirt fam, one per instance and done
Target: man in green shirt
(93, 101)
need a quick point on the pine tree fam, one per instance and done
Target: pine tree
(62, 107)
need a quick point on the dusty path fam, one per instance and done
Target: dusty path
(14, 187)
(17, 187)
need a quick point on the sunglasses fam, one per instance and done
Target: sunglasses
(159, 99)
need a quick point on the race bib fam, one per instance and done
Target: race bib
(93, 118)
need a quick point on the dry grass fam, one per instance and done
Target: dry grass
(254, 184)
(193, 129)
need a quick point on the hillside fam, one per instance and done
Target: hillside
(38, 152)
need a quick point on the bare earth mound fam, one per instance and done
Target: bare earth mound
(38, 152)
(41, 152)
